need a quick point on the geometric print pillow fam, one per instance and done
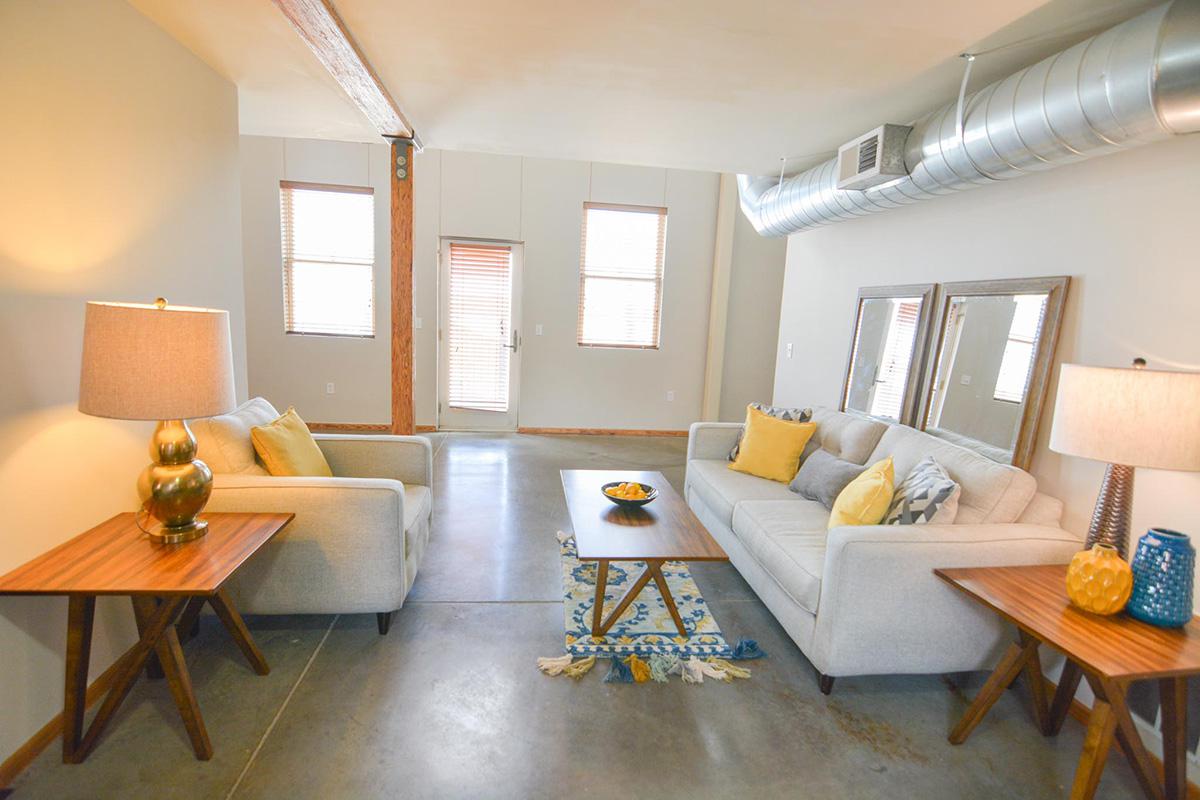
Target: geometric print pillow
(926, 496)
(778, 412)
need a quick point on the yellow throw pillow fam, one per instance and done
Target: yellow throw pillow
(287, 447)
(771, 447)
(866, 499)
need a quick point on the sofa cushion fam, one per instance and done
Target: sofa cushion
(721, 488)
(787, 539)
(847, 436)
(223, 442)
(991, 492)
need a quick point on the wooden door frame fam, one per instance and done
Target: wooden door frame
(403, 414)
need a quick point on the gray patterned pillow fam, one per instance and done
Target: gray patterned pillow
(778, 412)
(925, 496)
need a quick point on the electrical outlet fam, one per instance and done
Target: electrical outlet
(329, 388)
(537, 329)
(671, 396)
(789, 349)
(417, 323)
(965, 380)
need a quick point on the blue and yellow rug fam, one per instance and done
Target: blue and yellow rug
(646, 627)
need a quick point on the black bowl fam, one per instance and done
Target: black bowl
(650, 491)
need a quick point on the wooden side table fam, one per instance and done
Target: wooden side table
(168, 585)
(1110, 652)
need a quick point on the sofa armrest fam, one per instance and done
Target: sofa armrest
(712, 440)
(881, 607)
(402, 458)
(343, 553)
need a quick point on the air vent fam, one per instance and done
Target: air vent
(873, 158)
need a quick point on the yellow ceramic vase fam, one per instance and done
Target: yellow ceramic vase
(1099, 580)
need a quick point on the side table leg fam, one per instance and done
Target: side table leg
(236, 626)
(143, 609)
(170, 656)
(1006, 671)
(1068, 684)
(81, 613)
(598, 605)
(1097, 741)
(1037, 684)
(1173, 696)
(1113, 693)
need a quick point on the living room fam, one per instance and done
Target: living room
(434, 278)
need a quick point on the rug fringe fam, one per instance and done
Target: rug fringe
(618, 672)
(730, 669)
(638, 668)
(565, 537)
(580, 668)
(661, 665)
(555, 665)
(747, 649)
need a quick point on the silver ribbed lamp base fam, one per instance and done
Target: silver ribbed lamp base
(1114, 507)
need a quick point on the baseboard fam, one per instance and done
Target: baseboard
(425, 428)
(599, 432)
(349, 427)
(51, 731)
(1079, 712)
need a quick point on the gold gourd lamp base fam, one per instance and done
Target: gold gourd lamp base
(176, 487)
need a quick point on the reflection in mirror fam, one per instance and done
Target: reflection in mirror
(994, 345)
(887, 343)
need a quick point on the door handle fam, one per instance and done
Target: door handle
(515, 341)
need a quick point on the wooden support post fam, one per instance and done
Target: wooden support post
(402, 287)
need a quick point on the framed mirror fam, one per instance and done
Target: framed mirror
(887, 347)
(991, 353)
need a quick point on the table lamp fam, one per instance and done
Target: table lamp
(165, 363)
(1127, 418)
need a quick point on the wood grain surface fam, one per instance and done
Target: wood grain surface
(115, 557)
(1034, 598)
(665, 529)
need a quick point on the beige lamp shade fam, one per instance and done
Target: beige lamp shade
(156, 363)
(1136, 417)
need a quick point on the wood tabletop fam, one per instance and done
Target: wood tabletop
(115, 557)
(1034, 599)
(664, 529)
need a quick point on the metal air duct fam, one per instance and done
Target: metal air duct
(1135, 83)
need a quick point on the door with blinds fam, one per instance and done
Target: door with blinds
(478, 339)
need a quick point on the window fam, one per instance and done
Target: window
(1018, 351)
(621, 275)
(896, 358)
(480, 325)
(328, 237)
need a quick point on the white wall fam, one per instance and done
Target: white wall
(291, 370)
(538, 202)
(1123, 226)
(755, 289)
(119, 154)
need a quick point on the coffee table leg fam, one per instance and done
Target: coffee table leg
(628, 598)
(660, 580)
(598, 606)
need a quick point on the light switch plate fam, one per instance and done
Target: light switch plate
(417, 323)
(329, 388)
(537, 329)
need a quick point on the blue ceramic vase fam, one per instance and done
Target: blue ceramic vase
(1162, 579)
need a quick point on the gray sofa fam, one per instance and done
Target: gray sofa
(358, 537)
(864, 600)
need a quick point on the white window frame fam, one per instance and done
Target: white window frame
(657, 279)
(287, 255)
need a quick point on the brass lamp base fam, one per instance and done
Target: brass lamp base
(1114, 507)
(176, 487)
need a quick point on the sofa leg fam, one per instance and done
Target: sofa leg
(384, 620)
(825, 682)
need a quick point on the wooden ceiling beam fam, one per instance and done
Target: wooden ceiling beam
(326, 35)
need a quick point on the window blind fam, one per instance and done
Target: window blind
(480, 326)
(621, 275)
(896, 359)
(328, 243)
(1013, 376)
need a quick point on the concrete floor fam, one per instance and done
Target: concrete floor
(450, 704)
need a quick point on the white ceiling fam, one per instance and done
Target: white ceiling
(703, 84)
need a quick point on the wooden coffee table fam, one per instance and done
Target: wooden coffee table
(1110, 652)
(165, 583)
(664, 530)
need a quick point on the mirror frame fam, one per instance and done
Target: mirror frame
(912, 387)
(1055, 288)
